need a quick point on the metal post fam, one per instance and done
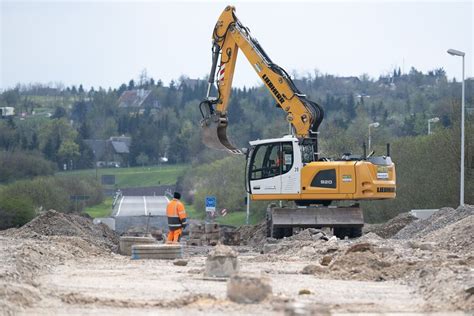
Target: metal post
(369, 139)
(462, 137)
(374, 125)
(455, 52)
(248, 209)
(429, 127)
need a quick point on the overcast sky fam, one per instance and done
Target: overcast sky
(107, 43)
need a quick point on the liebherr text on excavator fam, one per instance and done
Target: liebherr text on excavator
(290, 168)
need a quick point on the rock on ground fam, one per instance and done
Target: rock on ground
(248, 289)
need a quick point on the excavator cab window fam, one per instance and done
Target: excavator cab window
(271, 160)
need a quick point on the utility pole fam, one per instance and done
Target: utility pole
(461, 194)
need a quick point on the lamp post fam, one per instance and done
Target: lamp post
(374, 125)
(454, 52)
(432, 120)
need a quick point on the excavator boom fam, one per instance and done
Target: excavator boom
(230, 36)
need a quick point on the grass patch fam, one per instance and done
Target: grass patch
(103, 209)
(238, 219)
(136, 176)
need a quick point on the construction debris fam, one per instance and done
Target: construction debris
(304, 292)
(248, 289)
(180, 262)
(253, 235)
(204, 234)
(438, 220)
(231, 238)
(221, 262)
(310, 234)
(391, 227)
(430, 271)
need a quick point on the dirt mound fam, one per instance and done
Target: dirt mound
(52, 223)
(393, 226)
(361, 265)
(457, 237)
(253, 235)
(438, 220)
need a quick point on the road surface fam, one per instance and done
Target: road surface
(141, 206)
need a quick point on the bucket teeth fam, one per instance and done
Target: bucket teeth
(214, 135)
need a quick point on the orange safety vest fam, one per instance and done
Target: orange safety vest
(176, 214)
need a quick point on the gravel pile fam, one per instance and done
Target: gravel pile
(393, 226)
(253, 235)
(52, 223)
(438, 220)
(457, 237)
(309, 234)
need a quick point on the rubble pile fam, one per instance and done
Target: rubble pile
(456, 237)
(53, 223)
(393, 226)
(438, 220)
(309, 234)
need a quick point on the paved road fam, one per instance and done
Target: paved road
(141, 206)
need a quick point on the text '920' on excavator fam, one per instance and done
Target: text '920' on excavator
(290, 168)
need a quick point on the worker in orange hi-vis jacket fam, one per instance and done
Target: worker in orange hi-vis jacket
(177, 219)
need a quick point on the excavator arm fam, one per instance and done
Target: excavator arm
(228, 37)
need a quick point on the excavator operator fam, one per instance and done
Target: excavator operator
(177, 218)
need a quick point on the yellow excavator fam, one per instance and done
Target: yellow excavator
(290, 167)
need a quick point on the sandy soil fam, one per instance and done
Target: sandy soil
(63, 265)
(117, 285)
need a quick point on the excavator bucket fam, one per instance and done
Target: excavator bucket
(214, 135)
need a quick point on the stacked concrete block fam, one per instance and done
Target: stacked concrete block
(212, 231)
(204, 234)
(126, 243)
(157, 251)
(196, 235)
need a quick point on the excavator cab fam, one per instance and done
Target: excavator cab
(273, 167)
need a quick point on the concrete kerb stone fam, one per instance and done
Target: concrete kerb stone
(126, 243)
(157, 251)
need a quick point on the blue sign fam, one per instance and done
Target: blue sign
(211, 203)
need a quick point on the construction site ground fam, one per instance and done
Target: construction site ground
(61, 264)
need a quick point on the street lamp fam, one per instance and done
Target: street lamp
(374, 125)
(432, 120)
(461, 194)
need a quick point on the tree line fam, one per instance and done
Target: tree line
(401, 102)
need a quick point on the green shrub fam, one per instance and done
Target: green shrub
(224, 179)
(56, 192)
(15, 212)
(19, 165)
